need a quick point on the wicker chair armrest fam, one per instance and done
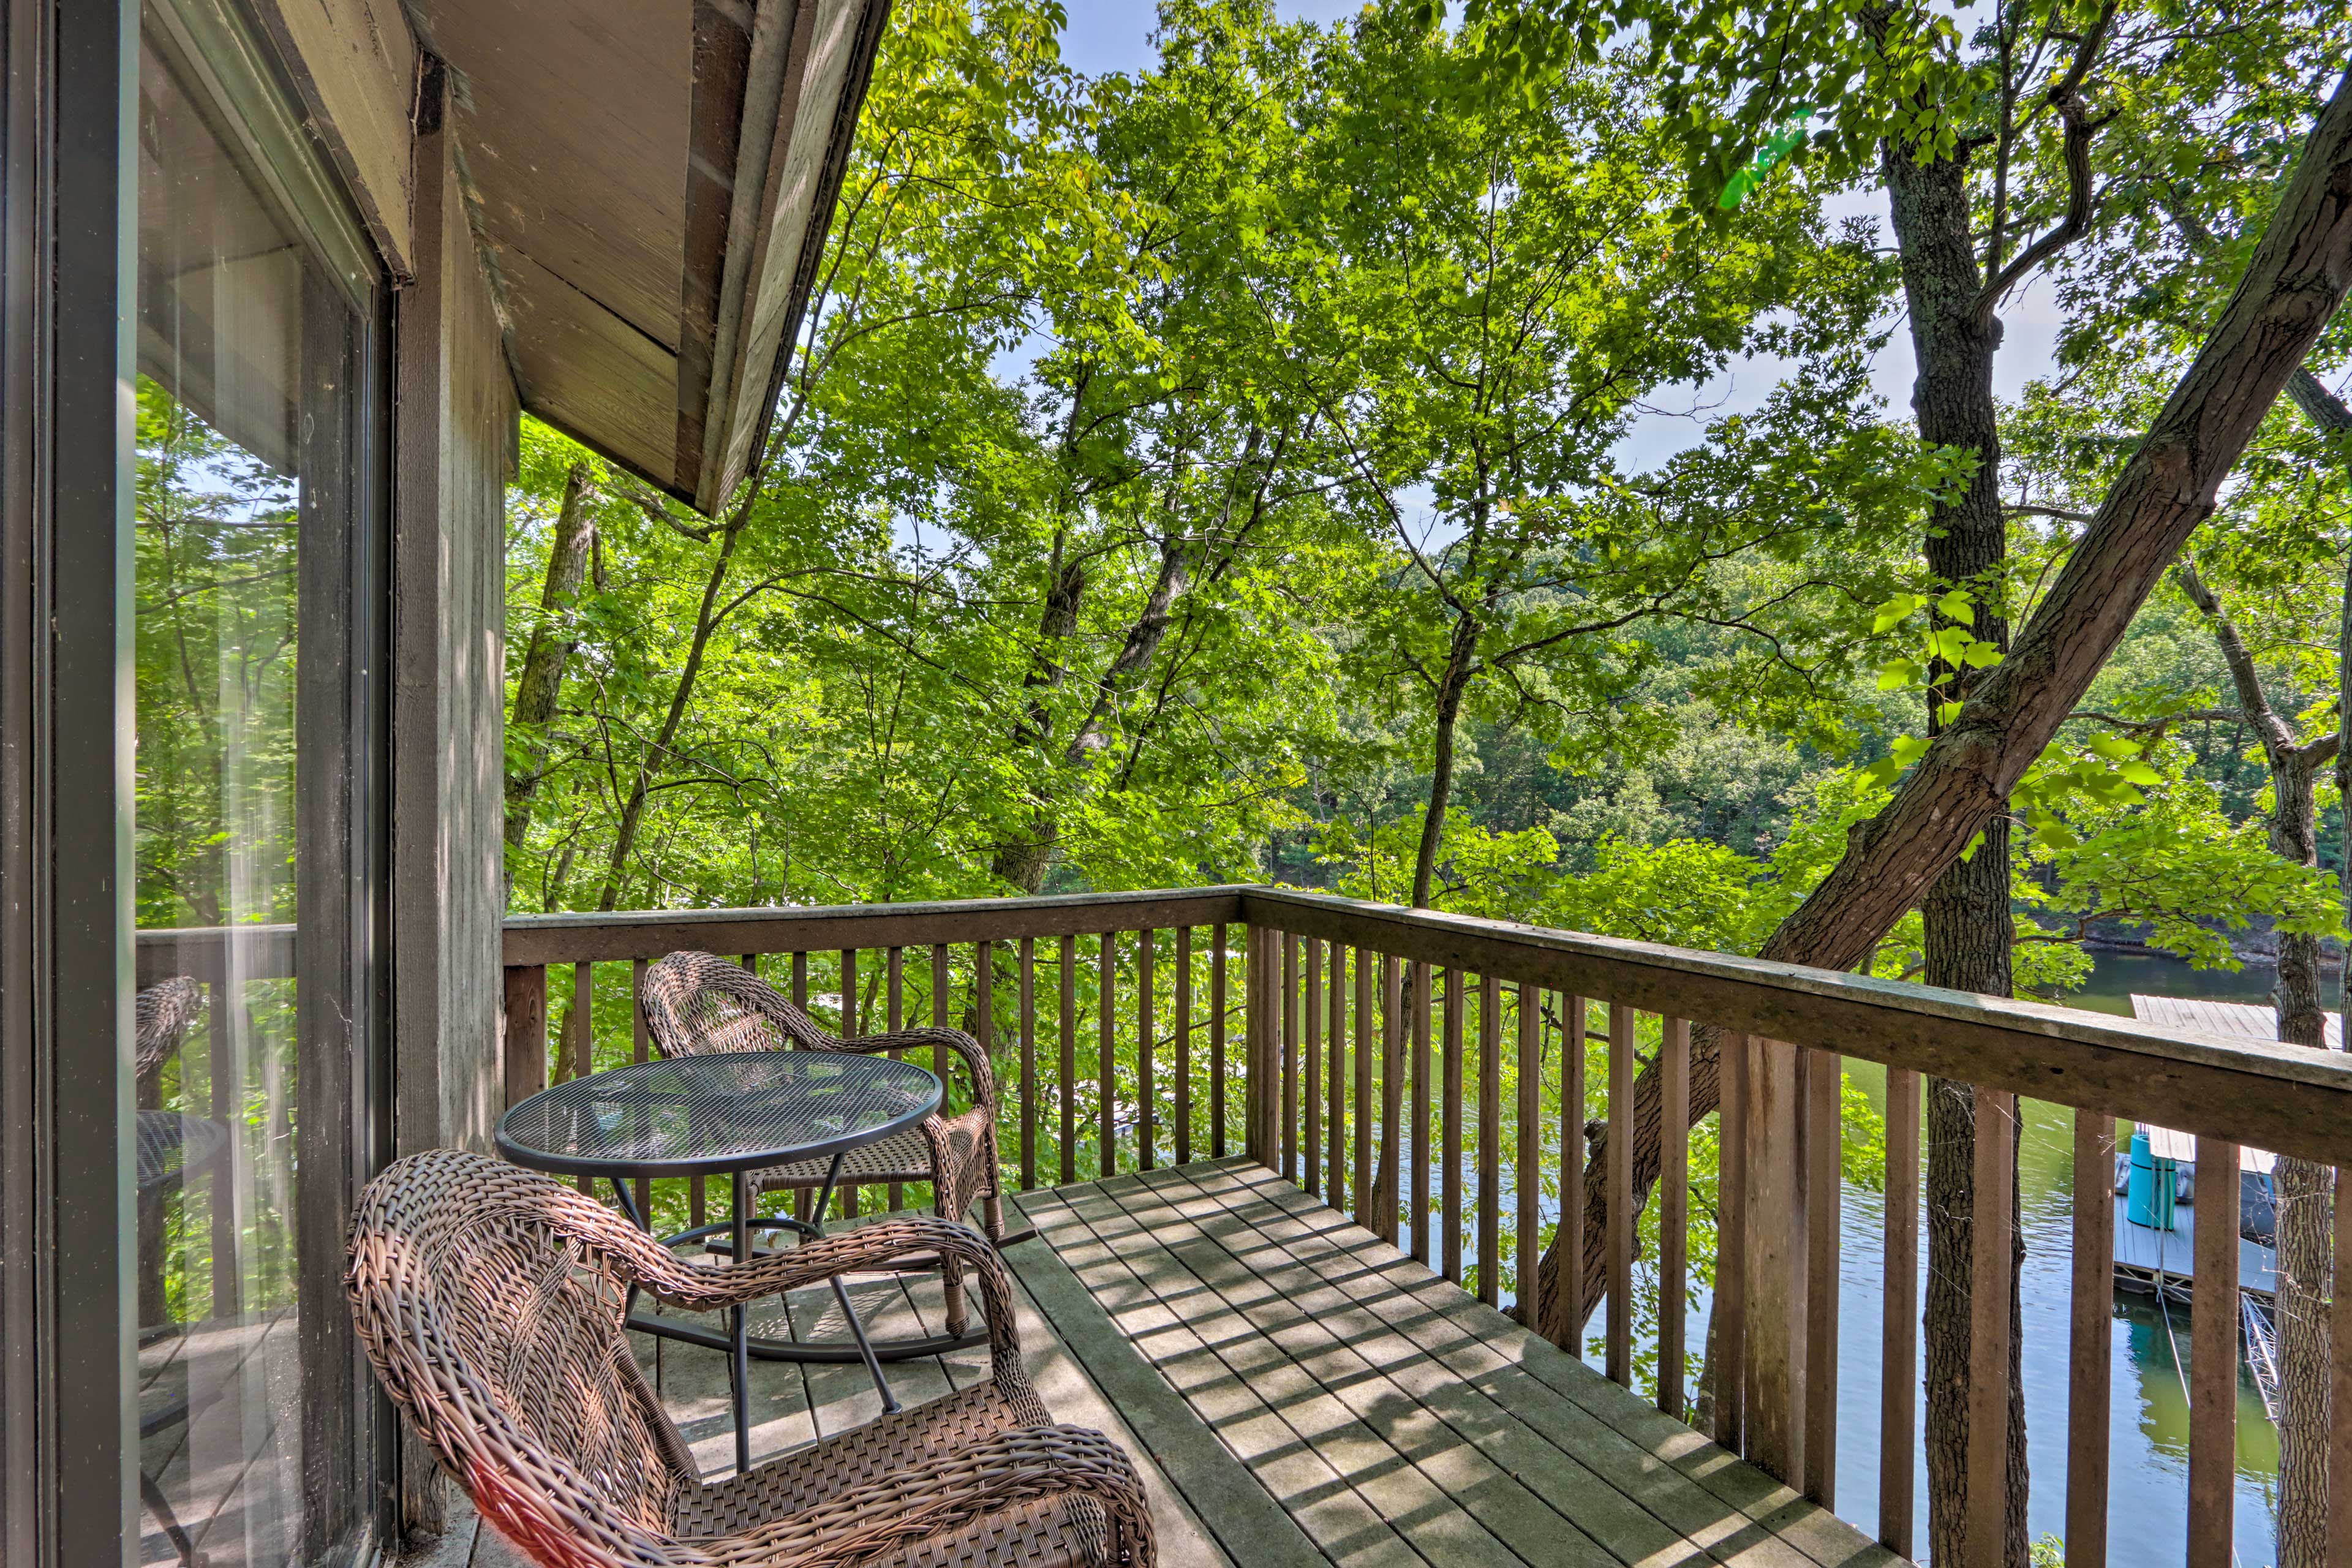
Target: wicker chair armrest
(703, 1289)
(975, 1060)
(949, 1493)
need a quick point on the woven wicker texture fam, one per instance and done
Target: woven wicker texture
(697, 1003)
(169, 1145)
(161, 1015)
(488, 1298)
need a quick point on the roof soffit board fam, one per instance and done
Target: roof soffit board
(589, 373)
(574, 119)
(602, 139)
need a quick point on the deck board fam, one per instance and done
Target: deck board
(1296, 1392)
(1294, 1335)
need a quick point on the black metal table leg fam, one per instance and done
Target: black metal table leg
(841, 1294)
(742, 1364)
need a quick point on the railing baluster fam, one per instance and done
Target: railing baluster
(984, 998)
(1898, 1394)
(640, 1042)
(1069, 1060)
(1619, 1357)
(526, 1032)
(942, 972)
(583, 1042)
(1363, 1108)
(1729, 1372)
(1490, 1140)
(2213, 1359)
(1184, 1044)
(1527, 1169)
(852, 1026)
(1449, 1158)
(1421, 1151)
(1988, 1287)
(1674, 1210)
(1311, 1074)
(800, 980)
(579, 1036)
(1147, 1132)
(1775, 1277)
(2092, 1333)
(1107, 1058)
(894, 982)
(1571, 1239)
(1335, 1072)
(1265, 1067)
(1824, 1195)
(1392, 1089)
(942, 975)
(1217, 1046)
(1028, 1063)
(1288, 980)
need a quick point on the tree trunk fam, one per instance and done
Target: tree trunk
(2305, 1188)
(1023, 859)
(706, 622)
(2298, 276)
(1450, 687)
(552, 641)
(1968, 927)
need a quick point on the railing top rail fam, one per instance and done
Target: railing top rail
(262, 953)
(2292, 1099)
(650, 933)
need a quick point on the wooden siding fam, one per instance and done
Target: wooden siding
(455, 437)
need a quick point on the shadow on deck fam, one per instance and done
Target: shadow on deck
(1299, 1391)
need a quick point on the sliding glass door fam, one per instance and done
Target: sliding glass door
(257, 648)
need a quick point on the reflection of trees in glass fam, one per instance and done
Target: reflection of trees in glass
(217, 546)
(216, 541)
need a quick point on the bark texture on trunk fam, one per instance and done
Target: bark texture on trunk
(1970, 935)
(2298, 276)
(554, 640)
(1968, 925)
(2306, 1209)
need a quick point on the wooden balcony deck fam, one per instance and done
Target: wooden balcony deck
(1299, 1393)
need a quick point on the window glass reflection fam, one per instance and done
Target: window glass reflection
(245, 365)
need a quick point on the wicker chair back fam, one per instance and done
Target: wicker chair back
(487, 1299)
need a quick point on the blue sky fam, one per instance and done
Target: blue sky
(1114, 34)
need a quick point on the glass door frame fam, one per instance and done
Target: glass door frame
(69, 1387)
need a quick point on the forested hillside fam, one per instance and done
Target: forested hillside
(1214, 474)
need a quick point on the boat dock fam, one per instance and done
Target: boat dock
(2149, 1260)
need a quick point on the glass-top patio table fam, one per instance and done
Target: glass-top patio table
(729, 1115)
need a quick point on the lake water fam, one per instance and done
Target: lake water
(2149, 1486)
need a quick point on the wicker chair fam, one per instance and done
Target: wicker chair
(489, 1299)
(167, 1149)
(694, 1003)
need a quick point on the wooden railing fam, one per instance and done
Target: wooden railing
(1432, 1075)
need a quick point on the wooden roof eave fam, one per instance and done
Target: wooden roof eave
(806, 84)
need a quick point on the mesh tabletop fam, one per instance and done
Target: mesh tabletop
(715, 1113)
